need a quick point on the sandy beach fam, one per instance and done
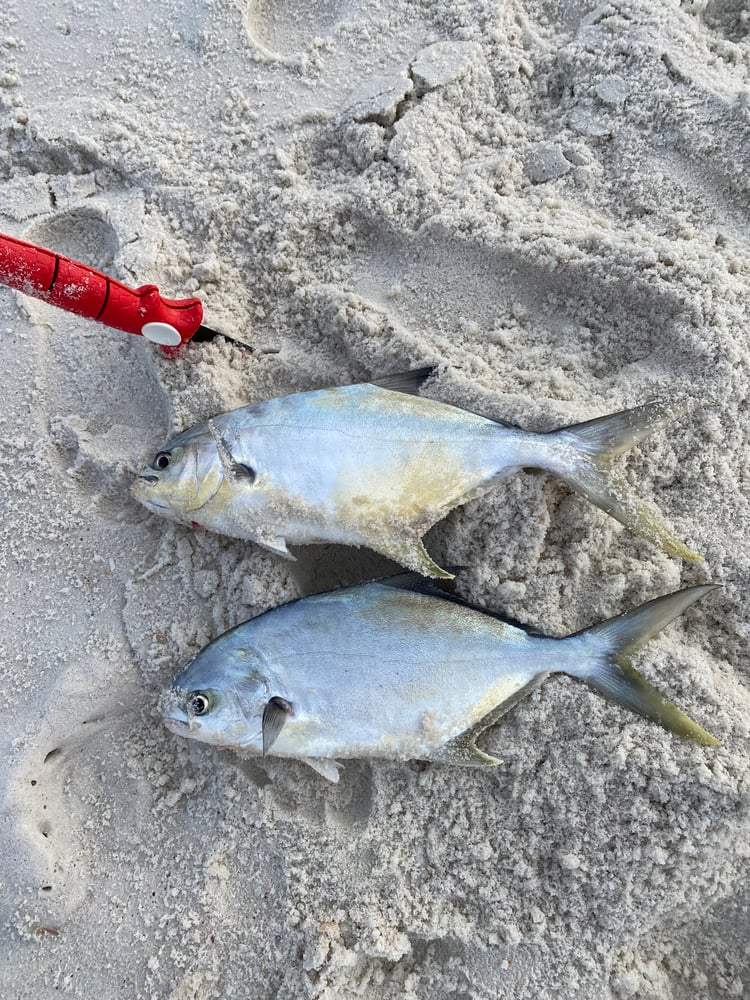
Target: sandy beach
(547, 200)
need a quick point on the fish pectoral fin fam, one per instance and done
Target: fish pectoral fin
(275, 716)
(233, 470)
(325, 766)
(463, 752)
(275, 543)
(410, 552)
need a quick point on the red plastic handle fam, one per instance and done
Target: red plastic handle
(86, 292)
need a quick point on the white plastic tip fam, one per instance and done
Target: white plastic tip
(161, 333)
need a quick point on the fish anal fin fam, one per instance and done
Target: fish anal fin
(409, 550)
(424, 563)
(462, 752)
(417, 583)
(325, 766)
(462, 749)
(508, 705)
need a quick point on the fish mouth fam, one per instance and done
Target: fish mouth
(142, 493)
(148, 501)
(140, 488)
(177, 725)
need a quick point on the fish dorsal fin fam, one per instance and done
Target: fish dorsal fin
(502, 423)
(505, 619)
(409, 382)
(412, 381)
(419, 584)
(325, 766)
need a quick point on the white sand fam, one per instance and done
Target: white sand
(553, 204)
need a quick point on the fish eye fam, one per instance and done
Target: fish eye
(198, 702)
(162, 460)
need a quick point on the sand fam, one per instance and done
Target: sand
(550, 201)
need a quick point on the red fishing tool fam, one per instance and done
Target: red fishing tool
(87, 292)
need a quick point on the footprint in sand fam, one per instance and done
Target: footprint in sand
(342, 808)
(48, 788)
(281, 28)
(100, 428)
(83, 233)
(81, 230)
(35, 792)
(349, 806)
(730, 18)
(519, 306)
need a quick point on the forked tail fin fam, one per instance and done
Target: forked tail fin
(589, 449)
(609, 671)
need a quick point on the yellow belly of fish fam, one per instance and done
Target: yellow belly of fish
(416, 494)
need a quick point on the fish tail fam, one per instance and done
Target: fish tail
(585, 465)
(609, 671)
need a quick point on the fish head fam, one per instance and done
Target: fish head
(182, 477)
(219, 698)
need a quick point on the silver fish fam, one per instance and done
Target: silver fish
(377, 465)
(397, 669)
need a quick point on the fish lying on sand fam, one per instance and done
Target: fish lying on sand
(375, 464)
(397, 669)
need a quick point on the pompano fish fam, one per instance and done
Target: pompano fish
(397, 669)
(376, 465)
